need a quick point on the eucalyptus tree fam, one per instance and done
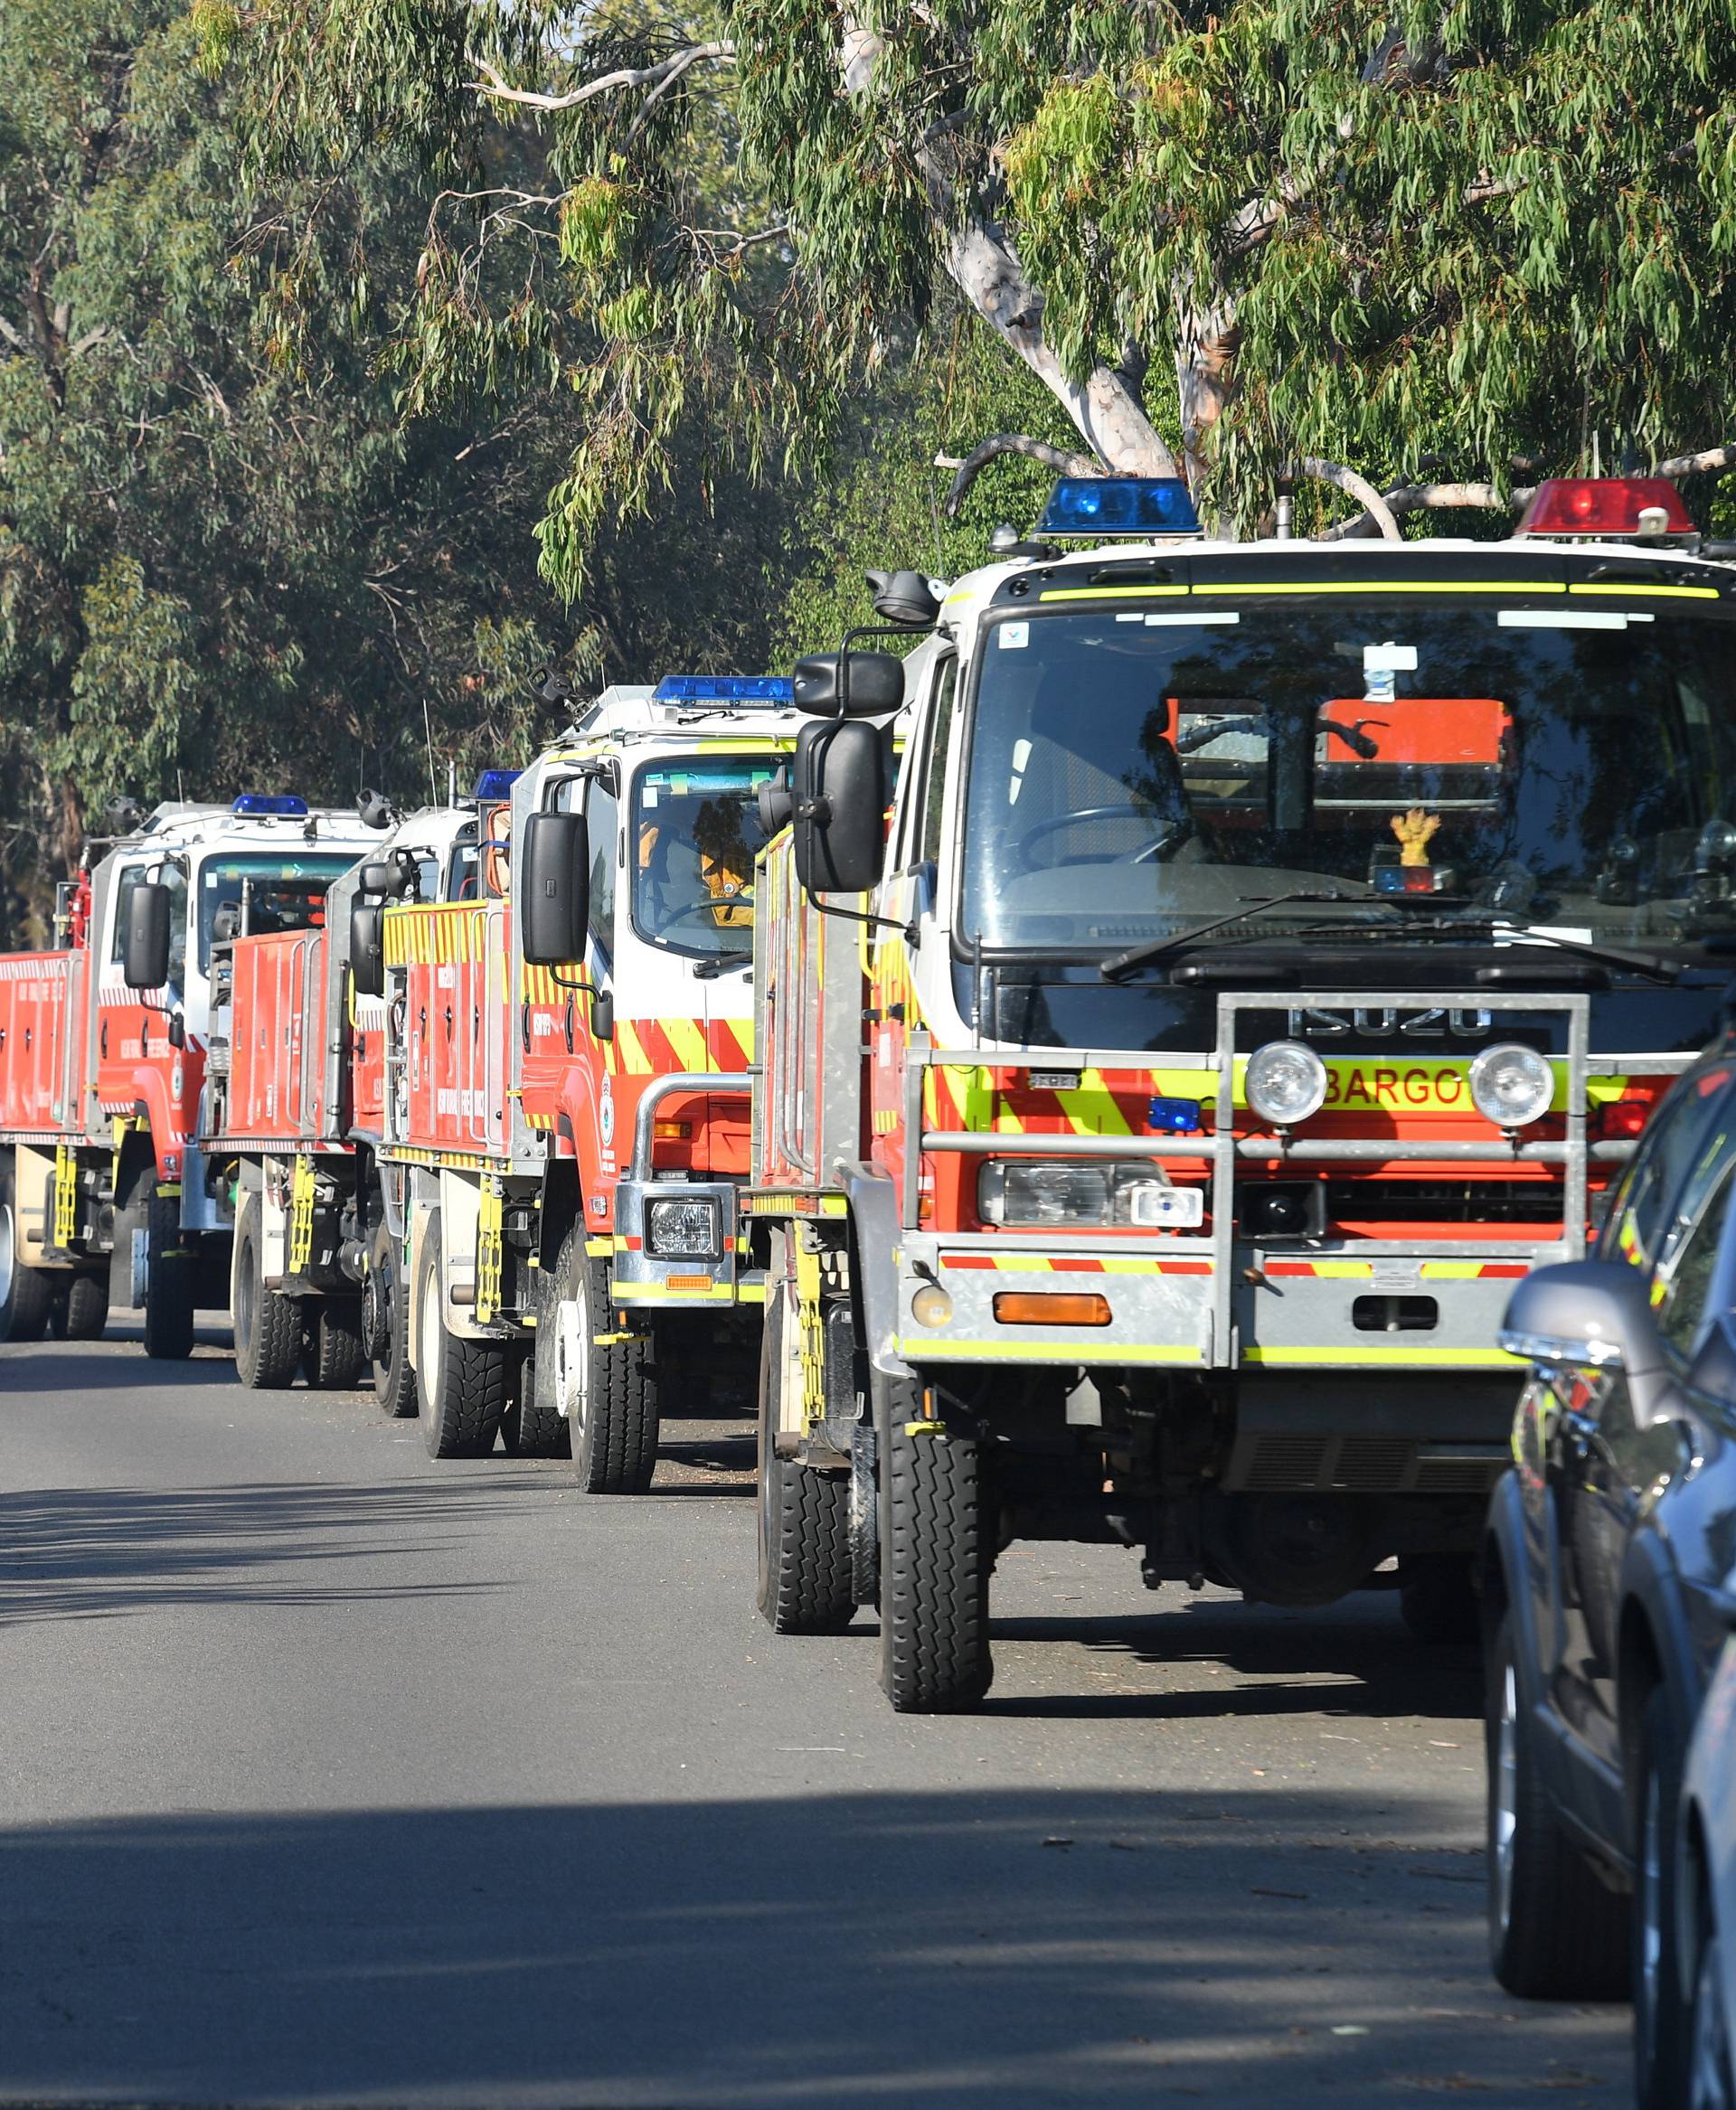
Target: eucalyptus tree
(1232, 238)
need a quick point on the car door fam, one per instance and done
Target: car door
(1601, 1465)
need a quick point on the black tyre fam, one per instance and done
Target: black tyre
(805, 1575)
(332, 1356)
(1555, 1931)
(169, 1282)
(1662, 2025)
(602, 1381)
(385, 1326)
(934, 1566)
(462, 1387)
(26, 1294)
(87, 1307)
(1439, 1601)
(535, 1428)
(268, 1327)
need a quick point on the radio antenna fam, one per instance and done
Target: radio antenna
(428, 731)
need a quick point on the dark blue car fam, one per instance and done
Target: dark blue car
(1608, 1543)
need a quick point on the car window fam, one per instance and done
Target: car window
(1681, 1291)
(1681, 1133)
(934, 784)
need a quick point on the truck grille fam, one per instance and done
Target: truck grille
(1357, 1464)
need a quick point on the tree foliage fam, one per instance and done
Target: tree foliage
(1269, 229)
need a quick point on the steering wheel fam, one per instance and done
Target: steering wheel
(690, 911)
(1164, 847)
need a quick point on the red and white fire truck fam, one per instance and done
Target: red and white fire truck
(566, 1106)
(1275, 951)
(105, 1189)
(293, 1115)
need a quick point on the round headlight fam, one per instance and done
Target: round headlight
(1511, 1085)
(1286, 1082)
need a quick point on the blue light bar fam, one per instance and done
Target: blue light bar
(725, 688)
(278, 805)
(1101, 507)
(496, 784)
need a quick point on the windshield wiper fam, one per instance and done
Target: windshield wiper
(719, 964)
(1120, 964)
(1606, 956)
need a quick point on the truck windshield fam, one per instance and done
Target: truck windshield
(1131, 772)
(281, 893)
(695, 835)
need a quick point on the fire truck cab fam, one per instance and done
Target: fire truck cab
(1275, 949)
(110, 1191)
(566, 1107)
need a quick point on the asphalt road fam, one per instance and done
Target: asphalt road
(331, 1775)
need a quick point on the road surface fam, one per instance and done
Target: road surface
(332, 1775)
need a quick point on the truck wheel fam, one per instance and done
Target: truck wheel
(168, 1286)
(805, 1575)
(462, 1387)
(1555, 1931)
(606, 1390)
(268, 1327)
(87, 1307)
(385, 1326)
(1662, 2023)
(331, 1354)
(934, 1567)
(534, 1429)
(26, 1294)
(1437, 1599)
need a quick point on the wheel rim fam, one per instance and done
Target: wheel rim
(434, 1362)
(1709, 2082)
(571, 1358)
(1503, 1792)
(8, 1259)
(1651, 1929)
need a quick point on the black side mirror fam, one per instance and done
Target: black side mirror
(870, 685)
(373, 810)
(602, 1014)
(145, 944)
(906, 598)
(838, 781)
(774, 802)
(554, 887)
(368, 948)
(377, 879)
(177, 1030)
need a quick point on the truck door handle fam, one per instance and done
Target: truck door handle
(569, 1025)
(104, 1040)
(524, 1024)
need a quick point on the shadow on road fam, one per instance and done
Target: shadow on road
(1010, 1949)
(1360, 1642)
(89, 1553)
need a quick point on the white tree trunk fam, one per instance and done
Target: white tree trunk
(1109, 416)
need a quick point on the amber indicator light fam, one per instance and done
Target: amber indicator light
(1016, 1307)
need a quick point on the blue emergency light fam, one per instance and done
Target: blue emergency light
(281, 805)
(496, 784)
(1102, 506)
(725, 688)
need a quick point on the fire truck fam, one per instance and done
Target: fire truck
(292, 1115)
(1274, 951)
(565, 1114)
(105, 1189)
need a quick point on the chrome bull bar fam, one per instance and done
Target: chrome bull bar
(1224, 1150)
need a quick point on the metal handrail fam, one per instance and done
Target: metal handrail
(679, 1082)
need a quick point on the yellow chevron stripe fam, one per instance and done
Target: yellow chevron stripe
(635, 1061)
(688, 1043)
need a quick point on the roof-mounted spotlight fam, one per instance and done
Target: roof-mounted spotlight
(906, 598)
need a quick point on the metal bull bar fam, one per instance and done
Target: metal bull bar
(681, 1082)
(1223, 1148)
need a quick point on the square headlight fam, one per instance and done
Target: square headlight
(1043, 1191)
(686, 1229)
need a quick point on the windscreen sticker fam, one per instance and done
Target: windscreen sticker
(1013, 636)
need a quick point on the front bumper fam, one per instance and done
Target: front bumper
(1417, 1308)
